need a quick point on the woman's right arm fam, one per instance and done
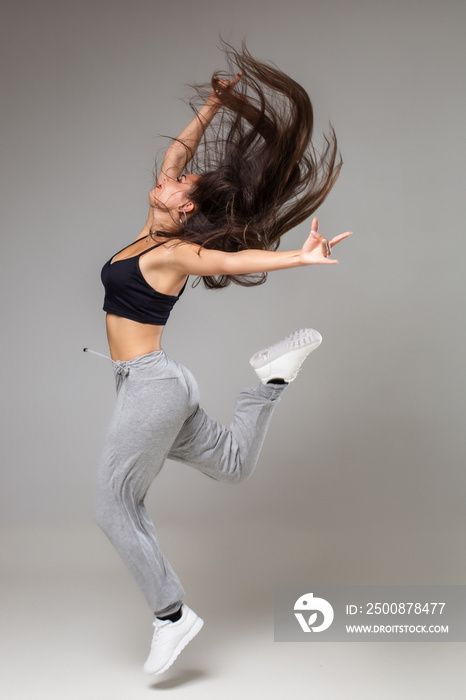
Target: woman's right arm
(183, 148)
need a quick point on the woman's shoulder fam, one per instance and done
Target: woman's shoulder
(170, 250)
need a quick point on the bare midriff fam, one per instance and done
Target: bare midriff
(129, 339)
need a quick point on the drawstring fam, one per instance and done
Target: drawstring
(106, 357)
(121, 367)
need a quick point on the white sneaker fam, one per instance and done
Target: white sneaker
(284, 359)
(170, 638)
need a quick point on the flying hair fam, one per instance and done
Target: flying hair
(261, 174)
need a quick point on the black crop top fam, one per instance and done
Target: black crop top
(128, 294)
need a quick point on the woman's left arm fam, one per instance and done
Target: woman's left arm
(190, 259)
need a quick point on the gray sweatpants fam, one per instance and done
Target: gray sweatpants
(157, 415)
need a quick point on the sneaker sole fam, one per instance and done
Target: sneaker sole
(182, 644)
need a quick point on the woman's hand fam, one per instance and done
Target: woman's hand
(220, 86)
(317, 249)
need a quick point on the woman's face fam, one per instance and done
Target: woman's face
(172, 193)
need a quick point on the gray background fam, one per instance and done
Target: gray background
(361, 479)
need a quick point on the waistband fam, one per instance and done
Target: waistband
(123, 367)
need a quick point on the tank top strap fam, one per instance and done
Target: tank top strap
(157, 245)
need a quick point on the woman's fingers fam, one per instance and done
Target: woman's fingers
(339, 238)
(336, 239)
(316, 242)
(236, 79)
(229, 84)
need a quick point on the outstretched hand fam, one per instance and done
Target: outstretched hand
(225, 85)
(317, 249)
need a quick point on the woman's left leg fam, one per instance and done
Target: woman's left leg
(227, 454)
(231, 454)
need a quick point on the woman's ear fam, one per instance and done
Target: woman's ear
(188, 207)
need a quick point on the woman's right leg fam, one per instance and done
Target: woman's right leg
(152, 405)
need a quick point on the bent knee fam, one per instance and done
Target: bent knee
(106, 512)
(241, 473)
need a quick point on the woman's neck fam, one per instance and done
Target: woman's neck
(160, 221)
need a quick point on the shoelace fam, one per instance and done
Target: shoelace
(296, 340)
(158, 624)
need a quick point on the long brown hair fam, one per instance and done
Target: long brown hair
(261, 174)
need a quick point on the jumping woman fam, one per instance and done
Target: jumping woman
(254, 176)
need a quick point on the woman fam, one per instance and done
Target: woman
(256, 177)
